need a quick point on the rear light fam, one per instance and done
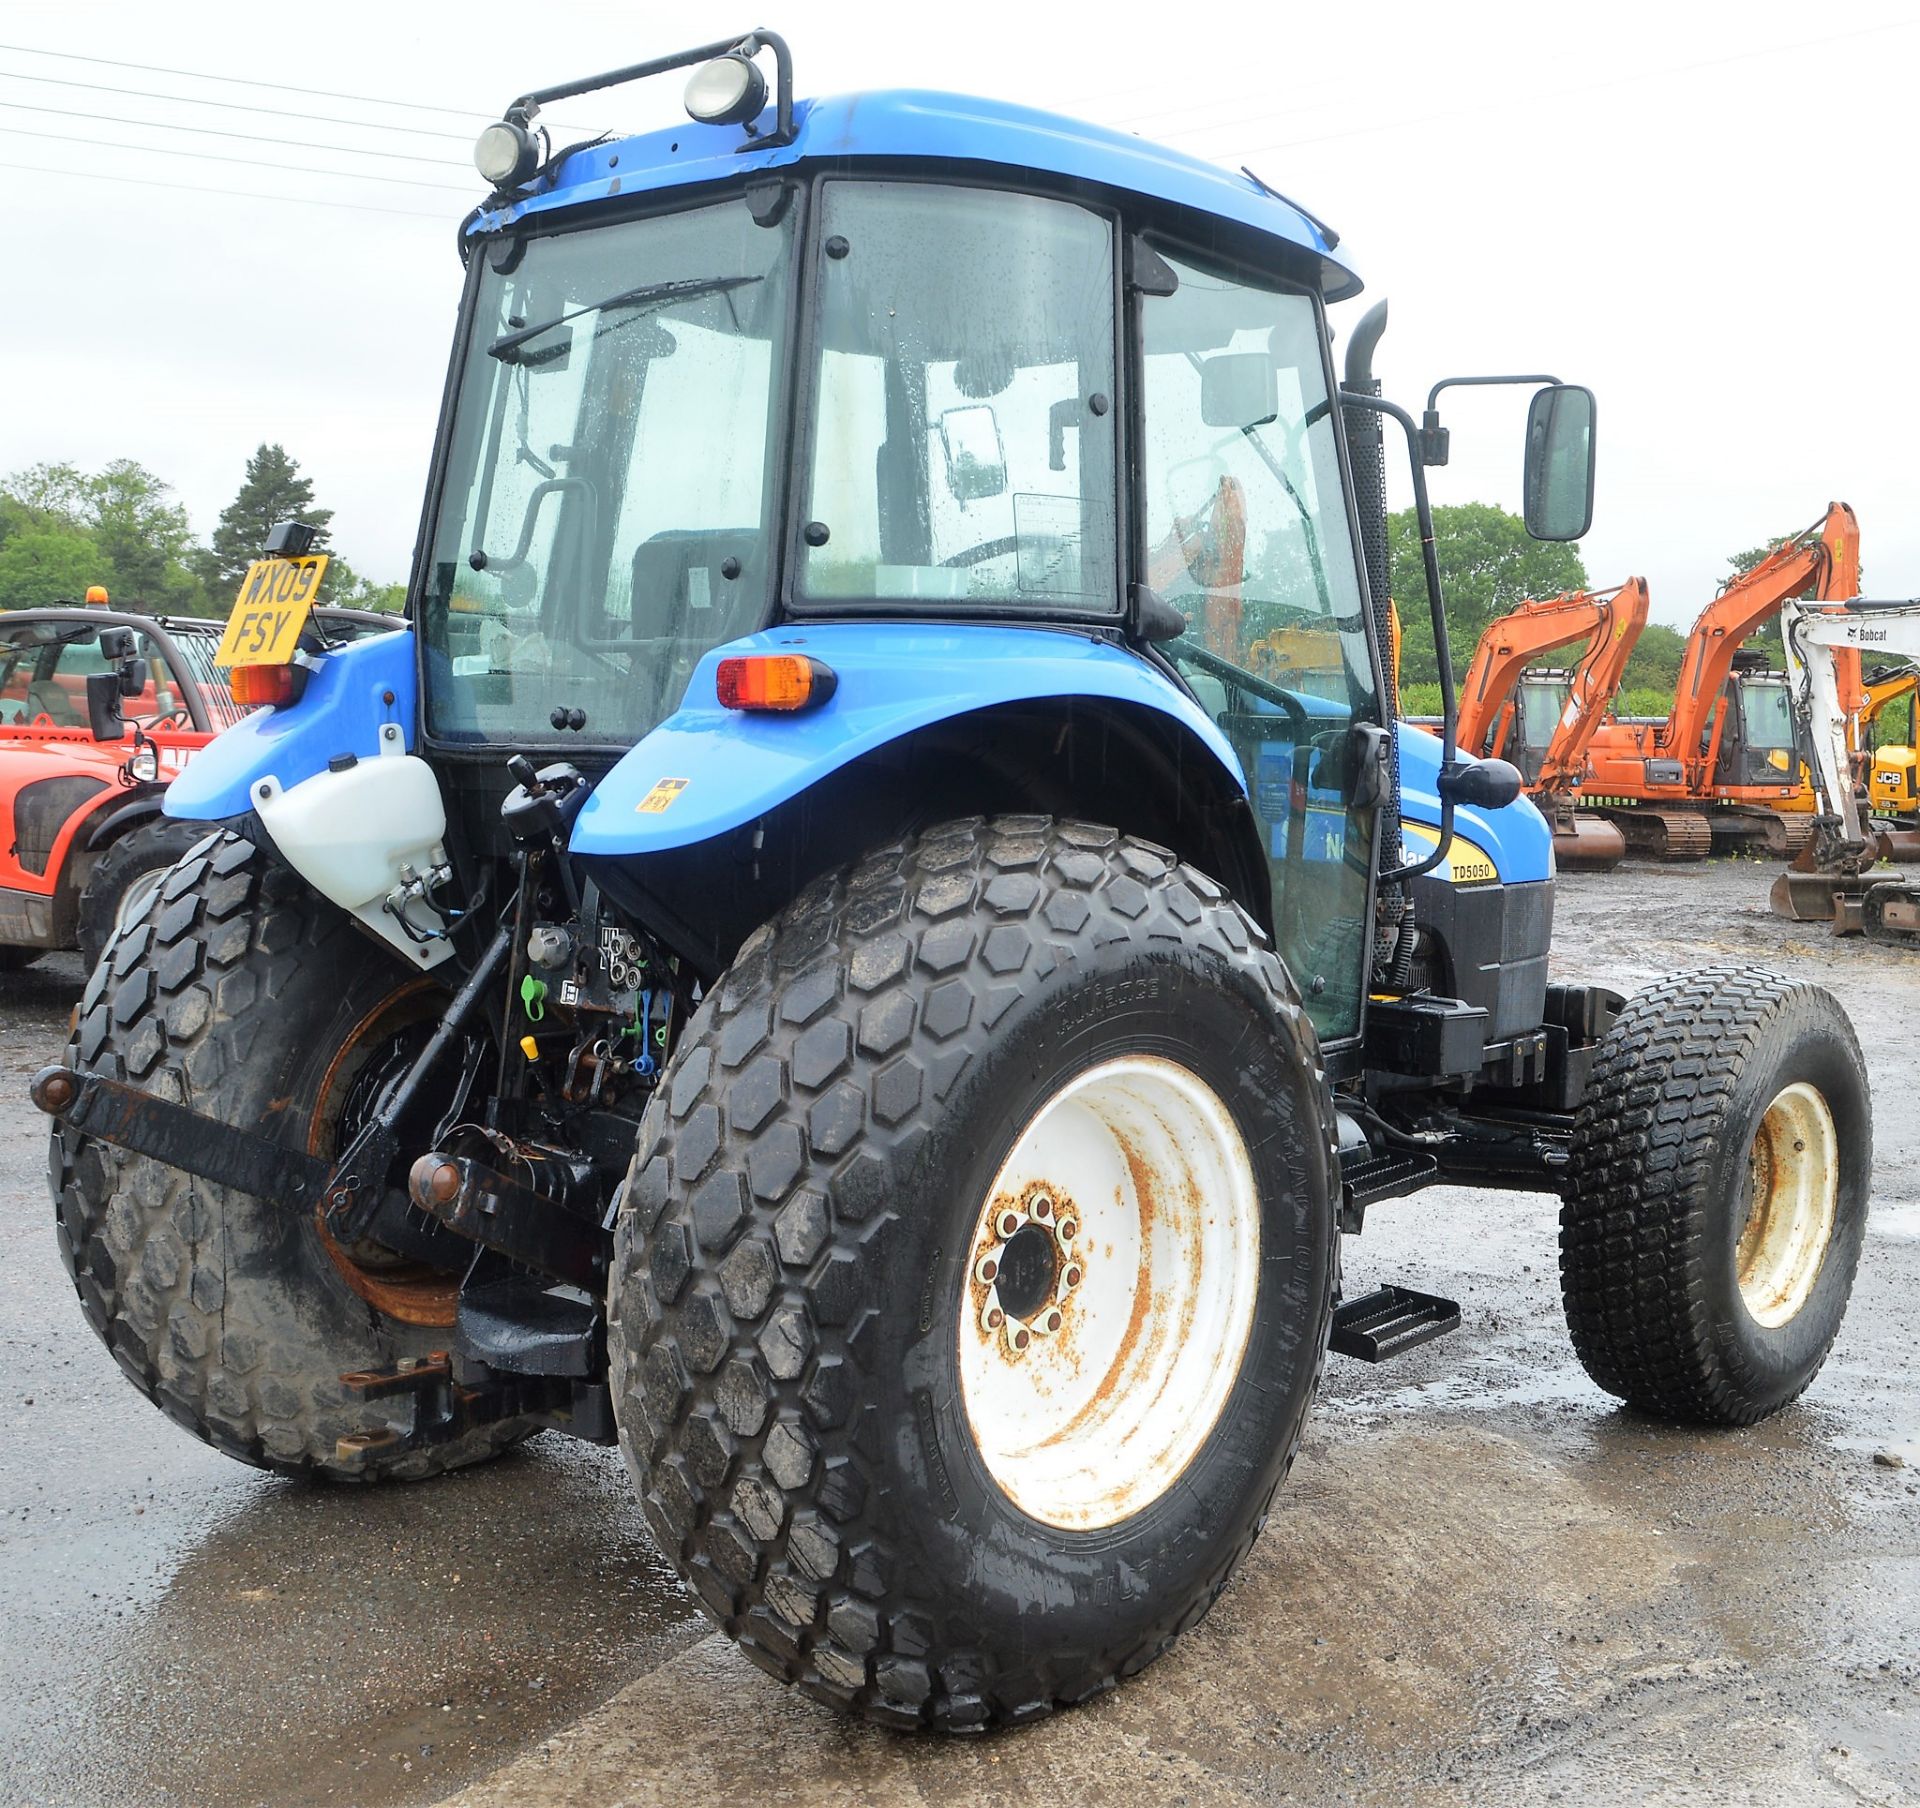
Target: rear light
(782, 681)
(253, 685)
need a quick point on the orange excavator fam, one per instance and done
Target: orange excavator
(1725, 762)
(1543, 720)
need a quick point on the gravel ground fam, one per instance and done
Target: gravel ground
(1484, 1583)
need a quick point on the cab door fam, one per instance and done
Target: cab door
(1247, 533)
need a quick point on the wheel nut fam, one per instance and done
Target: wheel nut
(1022, 1338)
(1008, 1222)
(1043, 1208)
(1071, 1278)
(1066, 1230)
(1052, 1321)
(987, 1267)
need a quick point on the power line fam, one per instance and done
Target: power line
(238, 81)
(1615, 81)
(245, 194)
(298, 144)
(233, 106)
(303, 169)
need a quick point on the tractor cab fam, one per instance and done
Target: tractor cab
(931, 364)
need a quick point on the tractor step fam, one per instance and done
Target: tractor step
(1390, 1320)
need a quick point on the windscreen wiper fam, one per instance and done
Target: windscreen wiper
(648, 295)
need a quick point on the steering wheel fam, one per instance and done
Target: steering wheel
(987, 549)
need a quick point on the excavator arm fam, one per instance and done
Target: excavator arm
(1506, 649)
(1825, 557)
(1595, 680)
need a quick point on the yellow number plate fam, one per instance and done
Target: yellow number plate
(276, 596)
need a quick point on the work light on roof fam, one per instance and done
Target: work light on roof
(728, 91)
(505, 153)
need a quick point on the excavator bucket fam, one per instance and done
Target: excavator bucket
(1583, 843)
(1814, 897)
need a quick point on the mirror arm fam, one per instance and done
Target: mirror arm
(1430, 565)
(1433, 438)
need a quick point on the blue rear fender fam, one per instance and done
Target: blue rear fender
(351, 694)
(708, 769)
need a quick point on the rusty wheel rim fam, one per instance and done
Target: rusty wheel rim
(1109, 1293)
(1794, 1168)
(415, 1293)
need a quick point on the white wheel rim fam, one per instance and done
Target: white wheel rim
(134, 899)
(1795, 1184)
(1088, 1403)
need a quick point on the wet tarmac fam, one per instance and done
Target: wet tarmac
(1484, 1583)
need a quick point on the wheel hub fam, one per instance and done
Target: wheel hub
(1025, 1263)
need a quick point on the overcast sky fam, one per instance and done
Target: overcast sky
(1706, 212)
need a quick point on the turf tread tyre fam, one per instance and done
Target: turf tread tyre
(188, 1285)
(1651, 1215)
(760, 1466)
(151, 846)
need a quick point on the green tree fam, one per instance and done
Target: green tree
(273, 491)
(143, 532)
(41, 565)
(1488, 564)
(140, 536)
(1655, 661)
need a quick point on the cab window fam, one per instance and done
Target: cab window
(964, 427)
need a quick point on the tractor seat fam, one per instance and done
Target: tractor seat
(680, 588)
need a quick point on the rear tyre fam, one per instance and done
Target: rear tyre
(126, 878)
(243, 994)
(975, 1271)
(1718, 1196)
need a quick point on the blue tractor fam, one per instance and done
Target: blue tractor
(875, 929)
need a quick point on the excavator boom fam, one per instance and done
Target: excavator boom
(1825, 556)
(1594, 684)
(1536, 627)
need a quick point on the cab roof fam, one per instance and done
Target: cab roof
(952, 130)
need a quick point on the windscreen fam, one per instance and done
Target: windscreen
(605, 517)
(44, 668)
(1766, 714)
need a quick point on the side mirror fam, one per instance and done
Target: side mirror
(976, 462)
(103, 706)
(1239, 389)
(1558, 485)
(134, 674)
(1485, 784)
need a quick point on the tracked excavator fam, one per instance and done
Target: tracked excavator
(1724, 765)
(1839, 875)
(1542, 721)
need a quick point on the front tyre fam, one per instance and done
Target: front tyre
(1718, 1195)
(975, 1270)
